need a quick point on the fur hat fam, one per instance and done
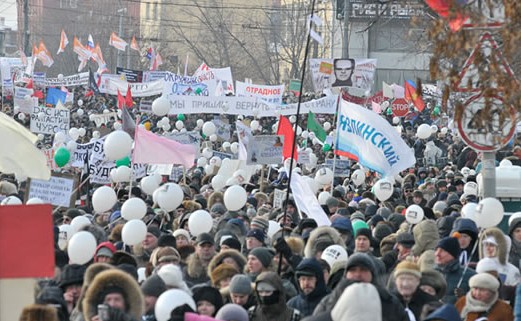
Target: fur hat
(39, 312)
(436, 280)
(210, 294)
(484, 281)
(153, 286)
(500, 238)
(382, 230)
(218, 259)
(322, 234)
(165, 254)
(407, 267)
(221, 272)
(113, 279)
(296, 244)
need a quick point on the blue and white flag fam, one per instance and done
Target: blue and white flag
(365, 136)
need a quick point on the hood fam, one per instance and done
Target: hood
(319, 235)
(274, 279)
(312, 265)
(425, 236)
(498, 235)
(113, 278)
(360, 301)
(467, 226)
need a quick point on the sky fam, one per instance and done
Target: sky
(8, 10)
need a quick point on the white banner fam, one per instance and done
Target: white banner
(265, 149)
(81, 153)
(72, 80)
(138, 89)
(220, 74)
(50, 121)
(247, 106)
(270, 94)
(23, 99)
(358, 79)
(103, 119)
(364, 135)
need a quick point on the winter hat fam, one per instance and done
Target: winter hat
(260, 223)
(153, 286)
(332, 202)
(39, 312)
(154, 231)
(365, 232)
(361, 259)
(210, 294)
(382, 230)
(167, 254)
(232, 243)
(358, 302)
(446, 312)
(182, 232)
(515, 223)
(173, 277)
(407, 267)
(166, 240)
(72, 274)
(240, 284)
(342, 224)
(370, 210)
(375, 220)
(436, 280)
(221, 272)
(384, 212)
(256, 233)
(264, 255)
(487, 265)
(397, 220)
(406, 239)
(232, 312)
(451, 245)
(484, 281)
(105, 249)
(357, 216)
(439, 207)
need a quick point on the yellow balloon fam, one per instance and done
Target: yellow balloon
(147, 125)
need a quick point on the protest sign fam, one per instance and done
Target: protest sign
(72, 80)
(130, 74)
(327, 73)
(186, 138)
(23, 99)
(366, 137)
(342, 166)
(49, 156)
(46, 120)
(222, 155)
(138, 89)
(145, 106)
(58, 191)
(39, 78)
(304, 157)
(81, 154)
(278, 198)
(222, 129)
(265, 149)
(179, 88)
(103, 119)
(269, 94)
(224, 75)
(154, 75)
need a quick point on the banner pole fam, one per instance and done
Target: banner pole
(335, 119)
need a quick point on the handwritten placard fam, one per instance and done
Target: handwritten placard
(58, 191)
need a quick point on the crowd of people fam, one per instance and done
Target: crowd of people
(369, 264)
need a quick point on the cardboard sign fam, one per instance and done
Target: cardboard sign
(265, 149)
(33, 255)
(278, 198)
(58, 191)
(51, 120)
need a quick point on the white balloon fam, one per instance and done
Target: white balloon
(209, 169)
(81, 247)
(207, 152)
(200, 123)
(333, 254)
(166, 127)
(170, 196)
(82, 132)
(292, 119)
(396, 120)
(444, 130)
(273, 227)
(72, 145)
(169, 301)
(324, 176)
(80, 222)
(103, 199)
(385, 104)
(254, 125)
(358, 177)
(383, 189)
(213, 137)
(114, 175)
(505, 163)
(469, 211)
(11, 200)
(218, 182)
(161, 106)
(96, 134)
(216, 161)
(117, 126)
(134, 232)
(240, 117)
(305, 134)
(60, 76)
(106, 111)
(489, 212)
(34, 200)
(327, 126)
(235, 197)
(471, 188)
(202, 161)
(315, 187)
(74, 133)
(149, 184)
(226, 145)
(240, 175)
(234, 147)
(117, 145)
(434, 129)
(424, 131)
(414, 214)
(16, 109)
(133, 209)
(41, 137)
(80, 102)
(59, 137)
(323, 197)
(123, 174)
(208, 128)
(312, 135)
(179, 124)
(66, 232)
(199, 222)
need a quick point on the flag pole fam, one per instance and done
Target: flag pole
(334, 153)
(295, 126)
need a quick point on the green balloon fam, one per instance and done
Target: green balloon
(181, 117)
(389, 111)
(62, 156)
(436, 111)
(358, 225)
(125, 161)
(326, 147)
(203, 136)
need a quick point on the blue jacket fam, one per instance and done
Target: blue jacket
(306, 303)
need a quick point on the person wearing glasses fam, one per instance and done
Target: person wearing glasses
(344, 69)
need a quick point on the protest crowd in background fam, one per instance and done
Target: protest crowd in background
(149, 243)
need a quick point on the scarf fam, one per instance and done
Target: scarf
(473, 305)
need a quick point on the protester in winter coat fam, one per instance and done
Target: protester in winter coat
(482, 301)
(446, 262)
(467, 239)
(319, 239)
(514, 231)
(312, 287)
(152, 288)
(446, 312)
(271, 299)
(208, 300)
(197, 263)
(39, 312)
(425, 237)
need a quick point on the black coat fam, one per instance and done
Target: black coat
(418, 300)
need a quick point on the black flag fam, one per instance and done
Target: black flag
(92, 83)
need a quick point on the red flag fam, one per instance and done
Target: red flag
(121, 100)
(412, 96)
(285, 129)
(30, 84)
(128, 99)
(38, 94)
(443, 8)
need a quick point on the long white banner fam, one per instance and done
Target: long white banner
(138, 89)
(72, 80)
(246, 106)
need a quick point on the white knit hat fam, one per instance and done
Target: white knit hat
(359, 302)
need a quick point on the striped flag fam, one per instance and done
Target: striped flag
(63, 42)
(97, 55)
(117, 42)
(134, 45)
(44, 55)
(83, 53)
